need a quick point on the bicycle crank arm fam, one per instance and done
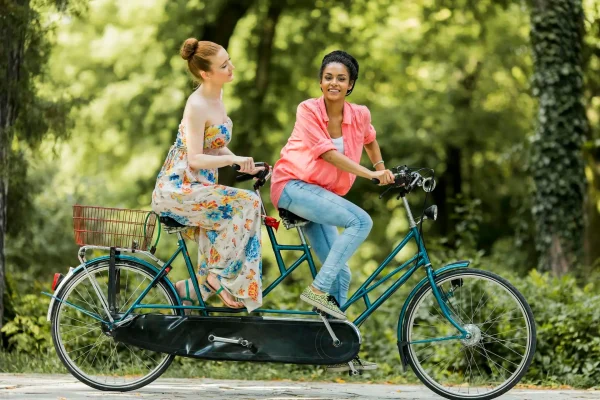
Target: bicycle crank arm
(241, 341)
(336, 342)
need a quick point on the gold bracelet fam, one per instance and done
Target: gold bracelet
(378, 162)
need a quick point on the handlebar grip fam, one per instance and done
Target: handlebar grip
(244, 178)
(375, 181)
(236, 167)
(247, 177)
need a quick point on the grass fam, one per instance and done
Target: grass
(49, 363)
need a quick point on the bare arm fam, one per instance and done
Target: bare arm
(374, 153)
(342, 162)
(196, 124)
(224, 151)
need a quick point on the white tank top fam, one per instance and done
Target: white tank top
(339, 144)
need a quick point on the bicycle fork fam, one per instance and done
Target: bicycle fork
(464, 334)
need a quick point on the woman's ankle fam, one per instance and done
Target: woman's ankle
(315, 290)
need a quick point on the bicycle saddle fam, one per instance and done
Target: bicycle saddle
(170, 222)
(291, 220)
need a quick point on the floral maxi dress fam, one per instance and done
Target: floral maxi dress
(225, 221)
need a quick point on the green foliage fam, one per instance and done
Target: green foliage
(567, 318)
(448, 86)
(29, 331)
(556, 162)
(568, 322)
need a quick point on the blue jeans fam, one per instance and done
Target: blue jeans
(325, 211)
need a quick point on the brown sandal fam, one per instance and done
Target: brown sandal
(222, 297)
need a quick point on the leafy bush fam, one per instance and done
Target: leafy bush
(568, 323)
(567, 318)
(29, 332)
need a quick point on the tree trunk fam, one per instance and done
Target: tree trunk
(263, 63)
(451, 182)
(449, 187)
(222, 28)
(265, 49)
(557, 160)
(592, 239)
(15, 18)
(244, 139)
(3, 206)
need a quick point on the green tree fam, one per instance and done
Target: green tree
(557, 161)
(591, 53)
(25, 116)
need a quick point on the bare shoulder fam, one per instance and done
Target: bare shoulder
(196, 109)
(196, 104)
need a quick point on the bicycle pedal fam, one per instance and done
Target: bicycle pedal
(316, 310)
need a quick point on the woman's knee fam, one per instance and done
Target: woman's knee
(362, 221)
(345, 274)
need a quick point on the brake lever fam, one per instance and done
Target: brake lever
(385, 191)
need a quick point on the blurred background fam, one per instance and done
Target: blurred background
(468, 88)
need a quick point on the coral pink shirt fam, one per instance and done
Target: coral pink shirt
(301, 157)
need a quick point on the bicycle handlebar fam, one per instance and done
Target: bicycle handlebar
(408, 179)
(246, 177)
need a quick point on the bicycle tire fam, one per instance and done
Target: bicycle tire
(74, 369)
(456, 279)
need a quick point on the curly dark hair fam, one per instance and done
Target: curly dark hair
(339, 56)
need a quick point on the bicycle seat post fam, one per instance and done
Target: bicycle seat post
(301, 234)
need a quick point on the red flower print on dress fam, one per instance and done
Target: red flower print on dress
(214, 256)
(253, 290)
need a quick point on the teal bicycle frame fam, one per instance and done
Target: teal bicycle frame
(421, 259)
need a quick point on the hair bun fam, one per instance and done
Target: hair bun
(188, 49)
(343, 54)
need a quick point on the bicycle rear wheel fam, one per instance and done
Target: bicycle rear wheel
(84, 344)
(502, 341)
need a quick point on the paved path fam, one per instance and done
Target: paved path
(65, 387)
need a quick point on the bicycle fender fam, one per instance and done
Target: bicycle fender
(424, 281)
(73, 271)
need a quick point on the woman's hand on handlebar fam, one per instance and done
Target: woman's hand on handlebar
(246, 165)
(385, 177)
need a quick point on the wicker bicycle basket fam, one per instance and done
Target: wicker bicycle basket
(113, 227)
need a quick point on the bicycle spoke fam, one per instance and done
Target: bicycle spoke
(458, 314)
(87, 347)
(503, 343)
(503, 314)
(77, 337)
(85, 301)
(478, 307)
(93, 347)
(475, 363)
(494, 362)
(134, 292)
(480, 364)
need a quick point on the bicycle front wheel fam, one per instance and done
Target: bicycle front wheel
(84, 344)
(502, 336)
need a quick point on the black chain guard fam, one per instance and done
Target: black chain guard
(282, 340)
